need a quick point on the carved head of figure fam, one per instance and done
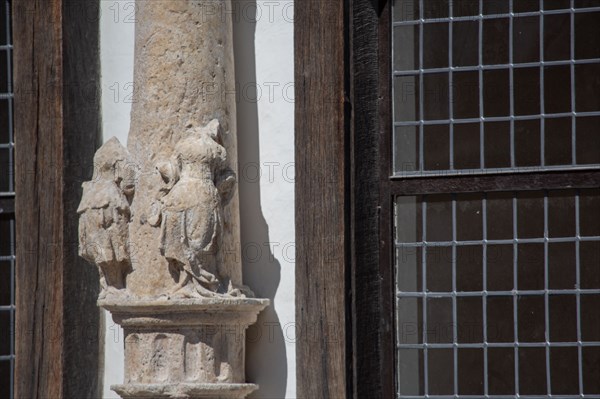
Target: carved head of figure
(111, 162)
(126, 175)
(201, 154)
(203, 144)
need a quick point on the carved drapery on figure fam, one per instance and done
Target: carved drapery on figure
(196, 184)
(104, 216)
(160, 219)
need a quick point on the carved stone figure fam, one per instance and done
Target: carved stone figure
(104, 215)
(198, 184)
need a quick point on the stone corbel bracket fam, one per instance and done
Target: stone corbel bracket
(187, 348)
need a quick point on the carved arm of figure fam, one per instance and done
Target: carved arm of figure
(169, 173)
(225, 184)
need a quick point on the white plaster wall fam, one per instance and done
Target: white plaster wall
(263, 36)
(116, 57)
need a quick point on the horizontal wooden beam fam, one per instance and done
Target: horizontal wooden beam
(500, 182)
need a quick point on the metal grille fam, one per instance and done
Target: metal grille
(7, 221)
(498, 294)
(471, 92)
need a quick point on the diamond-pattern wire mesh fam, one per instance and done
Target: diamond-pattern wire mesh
(7, 222)
(424, 112)
(419, 289)
(415, 94)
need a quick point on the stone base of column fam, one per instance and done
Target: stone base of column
(184, 390)
(184, 348)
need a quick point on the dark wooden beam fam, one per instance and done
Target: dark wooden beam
(372, 269)
(498, 182)
(57, 129)
(322, 202)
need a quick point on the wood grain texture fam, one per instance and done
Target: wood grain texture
(83, 345)
(322, 204)
(372, 267)
(57, 129)
(500, 182)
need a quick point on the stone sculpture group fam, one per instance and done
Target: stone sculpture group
(160, 218)
(178, 341)
(196, 184)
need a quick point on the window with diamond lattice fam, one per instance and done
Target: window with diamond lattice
(496, 156)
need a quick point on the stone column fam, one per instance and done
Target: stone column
(160, 218)
(183, 78)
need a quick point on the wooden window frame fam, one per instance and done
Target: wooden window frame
(344, 198)
(344, 278)
(57, 130)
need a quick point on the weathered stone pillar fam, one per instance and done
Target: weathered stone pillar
(160, 218)
(184, 78)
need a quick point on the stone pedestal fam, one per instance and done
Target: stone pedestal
(185, 348)
(160, 217)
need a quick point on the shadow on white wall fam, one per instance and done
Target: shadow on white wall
(266, 360)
